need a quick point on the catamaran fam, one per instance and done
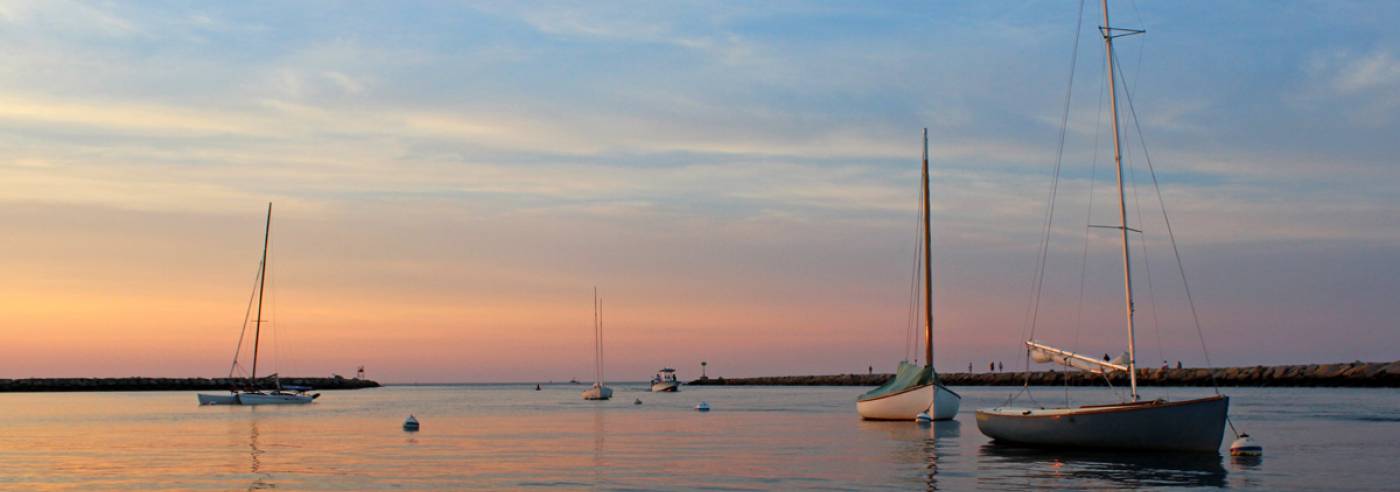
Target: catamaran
(1195, 425)
(665, 381)
(914, 389)
(251, 393)
(599, 391)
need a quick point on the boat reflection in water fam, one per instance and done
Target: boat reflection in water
(1087, 469)
(925, 443)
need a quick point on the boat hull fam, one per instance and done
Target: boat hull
(1191, 425)
(256, 399)
(666, 387)
(597, 393)
(906, 405)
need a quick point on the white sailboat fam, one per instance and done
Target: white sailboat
(1191, 425)
(915, 389)
(251, 393)
(599, 391)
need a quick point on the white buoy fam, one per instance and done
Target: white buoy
(411, 424)
(637, 401)
(923, 418)
(702, 407)
(1245, 446)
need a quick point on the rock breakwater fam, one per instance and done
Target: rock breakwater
(170, 384)
(1351, 374)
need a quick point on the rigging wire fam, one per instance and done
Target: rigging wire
(910, 326)
(1034, 308)
(1176, 251)
(247, 313)
(1088, 221)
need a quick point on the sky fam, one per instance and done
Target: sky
(450, 180)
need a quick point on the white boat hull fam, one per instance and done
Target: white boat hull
(666, 387)
(597, 393)
(1191, 425)
(908, 404)
(257, 399)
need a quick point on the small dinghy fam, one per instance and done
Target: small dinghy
(702, 407)
(411, 425)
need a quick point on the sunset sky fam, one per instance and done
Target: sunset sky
(740, 180)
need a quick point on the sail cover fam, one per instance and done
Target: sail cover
(1046, 354)
(908, 376)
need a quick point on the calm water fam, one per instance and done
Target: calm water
(495, 437)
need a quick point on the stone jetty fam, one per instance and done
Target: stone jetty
(1351, 374)
(171, 384)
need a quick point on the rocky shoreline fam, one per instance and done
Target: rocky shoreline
(170, 384)
(1351, 374)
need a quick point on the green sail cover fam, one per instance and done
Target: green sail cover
(908, 376)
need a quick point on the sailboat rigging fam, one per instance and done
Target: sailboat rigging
(1190, 425)
(251, 393)
(599, 391)
(915, 389)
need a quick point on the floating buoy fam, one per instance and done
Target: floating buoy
(1245, 446)
(537, 387)
(411, 424)
(923, 418)
(702, 407)
(637, 401)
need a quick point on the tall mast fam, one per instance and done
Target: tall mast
(595, 334)
(928, 262)
(262, 282)
(601, 376)
(1107, 32)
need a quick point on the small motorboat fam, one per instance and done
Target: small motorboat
(665, 381)
(702, 407)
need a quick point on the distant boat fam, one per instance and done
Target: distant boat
(1190, 425)
(251, 393)
(914, 389)
(599, 391)
(665, 381)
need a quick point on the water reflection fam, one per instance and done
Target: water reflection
(599, 431)
(263, 480)
(1039, 468)
(922, 443)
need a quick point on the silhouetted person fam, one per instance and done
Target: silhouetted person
(1105, 358)
(870, 370)
(1178, 364)
(969, 368)
(1000, 367)
(991, 367)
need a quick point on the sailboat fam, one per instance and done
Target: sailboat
(599, 391)
(915, 389)
(251, 394)
(1196, 425)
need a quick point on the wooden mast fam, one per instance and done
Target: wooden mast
(928, 262)
(262, 282)
(1108, 36)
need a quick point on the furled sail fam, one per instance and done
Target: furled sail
(1046, 354)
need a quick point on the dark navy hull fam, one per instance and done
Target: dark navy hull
(1192, 425)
